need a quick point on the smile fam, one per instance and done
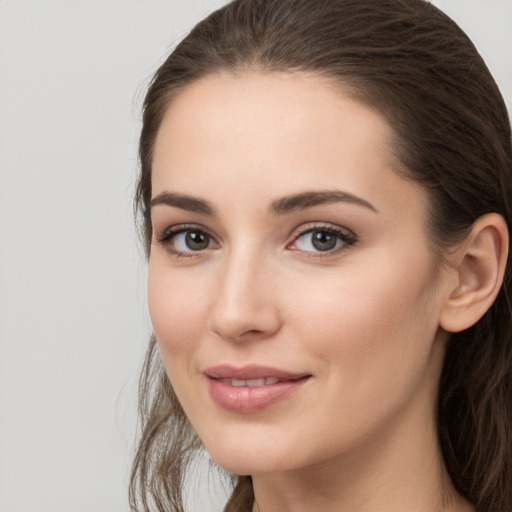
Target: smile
(252, 383)
(251, 388)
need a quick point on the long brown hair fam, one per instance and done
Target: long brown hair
(416, 66)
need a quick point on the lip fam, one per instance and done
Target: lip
(245, 398)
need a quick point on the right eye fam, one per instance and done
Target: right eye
(186, 241)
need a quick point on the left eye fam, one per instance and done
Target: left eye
(321, 240)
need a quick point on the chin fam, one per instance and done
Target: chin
(250, 459)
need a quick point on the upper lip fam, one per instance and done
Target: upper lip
(252, 371)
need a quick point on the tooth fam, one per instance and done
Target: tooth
(250, 382)
(256, 382)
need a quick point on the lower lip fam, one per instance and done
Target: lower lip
(251, 399)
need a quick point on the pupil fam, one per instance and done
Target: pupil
(197, 241)
(323, 241)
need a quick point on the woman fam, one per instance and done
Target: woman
(325, 195)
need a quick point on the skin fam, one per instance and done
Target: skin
(363, 319)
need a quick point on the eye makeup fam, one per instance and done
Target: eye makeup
(316, 240)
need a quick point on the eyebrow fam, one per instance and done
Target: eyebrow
(305, 200)
(281, 206)
(189, 203)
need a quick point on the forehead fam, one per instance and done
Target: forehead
(254, 105)
(275, 133)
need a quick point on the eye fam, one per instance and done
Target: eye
(192, 240)
(322, 240)
(183, 241)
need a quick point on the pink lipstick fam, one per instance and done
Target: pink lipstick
(251, 388)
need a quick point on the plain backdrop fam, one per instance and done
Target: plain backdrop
(73, 320)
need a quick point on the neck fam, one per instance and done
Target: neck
(399, 471)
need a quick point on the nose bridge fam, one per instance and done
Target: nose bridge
(245, 305)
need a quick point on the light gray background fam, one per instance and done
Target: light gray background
(73, 321)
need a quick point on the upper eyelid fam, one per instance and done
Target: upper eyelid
(179, 228)
(307, 227)
(301, 229)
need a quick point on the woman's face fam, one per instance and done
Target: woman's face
(292, 287)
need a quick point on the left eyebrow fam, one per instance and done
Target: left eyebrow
(309, 199)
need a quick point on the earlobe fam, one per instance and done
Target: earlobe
(480, 265)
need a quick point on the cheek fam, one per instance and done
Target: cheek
(371, 337)
(377, 320)
(177, 308)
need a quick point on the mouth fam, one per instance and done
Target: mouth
(251, 388)
(252, 373)
(251, 383)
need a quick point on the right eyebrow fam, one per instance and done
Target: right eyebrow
(189, 203)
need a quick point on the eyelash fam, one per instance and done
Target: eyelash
(167, 236)
(347, 237)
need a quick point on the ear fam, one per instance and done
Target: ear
(479, 266)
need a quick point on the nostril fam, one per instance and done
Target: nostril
(249, 334)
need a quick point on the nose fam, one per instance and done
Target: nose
(245, 307)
